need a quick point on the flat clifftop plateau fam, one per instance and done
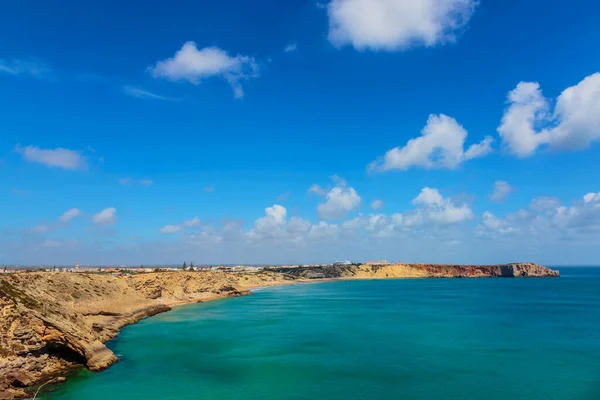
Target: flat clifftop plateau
(51, 323)
(419, 271)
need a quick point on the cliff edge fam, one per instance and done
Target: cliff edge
(51, 323)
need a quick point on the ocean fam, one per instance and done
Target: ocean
(408, 339)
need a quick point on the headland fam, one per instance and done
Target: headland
(53, 322)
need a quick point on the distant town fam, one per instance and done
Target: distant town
(121, 270)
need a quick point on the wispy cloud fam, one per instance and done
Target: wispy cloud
(108, 216)
(33, 67)
(67, 216)
(290, 48)
(58, 157)
(127, 181)
(19, 192)
(145, 95)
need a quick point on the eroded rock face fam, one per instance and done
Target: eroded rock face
(54, 322)
(419, 271)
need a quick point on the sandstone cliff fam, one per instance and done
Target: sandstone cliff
(419, 271)
(53, 322)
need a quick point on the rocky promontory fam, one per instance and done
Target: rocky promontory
(54, 322)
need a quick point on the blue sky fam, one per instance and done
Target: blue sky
(454, 131)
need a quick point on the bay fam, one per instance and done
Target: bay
(385, 339)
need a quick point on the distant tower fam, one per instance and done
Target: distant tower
(76, 266)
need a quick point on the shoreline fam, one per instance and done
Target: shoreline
(55, 324)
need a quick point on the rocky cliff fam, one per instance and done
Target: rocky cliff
(419, 271)
(51, 323)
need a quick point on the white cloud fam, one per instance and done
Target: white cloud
(189, 223)
(591, 198)
(209, 189)
(340, 201)
(495, 224)
(548, 218)
(529, 123)
(271, 225)
(192, 222)
(69, 215)
(108, 216)
(392, 25)
(377, 205)
(170, 229)
(441, 145)
(501, 191)
(297, 225)
(15, 66)
(146, 182)
(124, 181)
(322, 230)
(42, 228)
(318, 190)
(544, 203)
(290, 48)
(437, 209)
(59, 157)
(193, 65)
(144, 94)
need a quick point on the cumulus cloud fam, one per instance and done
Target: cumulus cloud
(377, 205)
(392, 25)
(440, 210)
(323, 230)
(432, 211)
(495, 224)
(544, 203)
(592, 198)
(69, 215)
(170, 229)
(297, 225)
(547, 217)
(194, 65)
(340, 201)
(108, 216)
(501, 191)
(529, 122)
(191, 222)
(271, 224)
(58, 157)
(441, 145)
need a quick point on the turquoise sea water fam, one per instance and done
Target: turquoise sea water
(394, 339)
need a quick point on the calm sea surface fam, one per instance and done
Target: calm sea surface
(395, 339)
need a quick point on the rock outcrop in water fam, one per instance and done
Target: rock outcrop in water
(51, 323)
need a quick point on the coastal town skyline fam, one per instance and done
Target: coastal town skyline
(298, 132)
